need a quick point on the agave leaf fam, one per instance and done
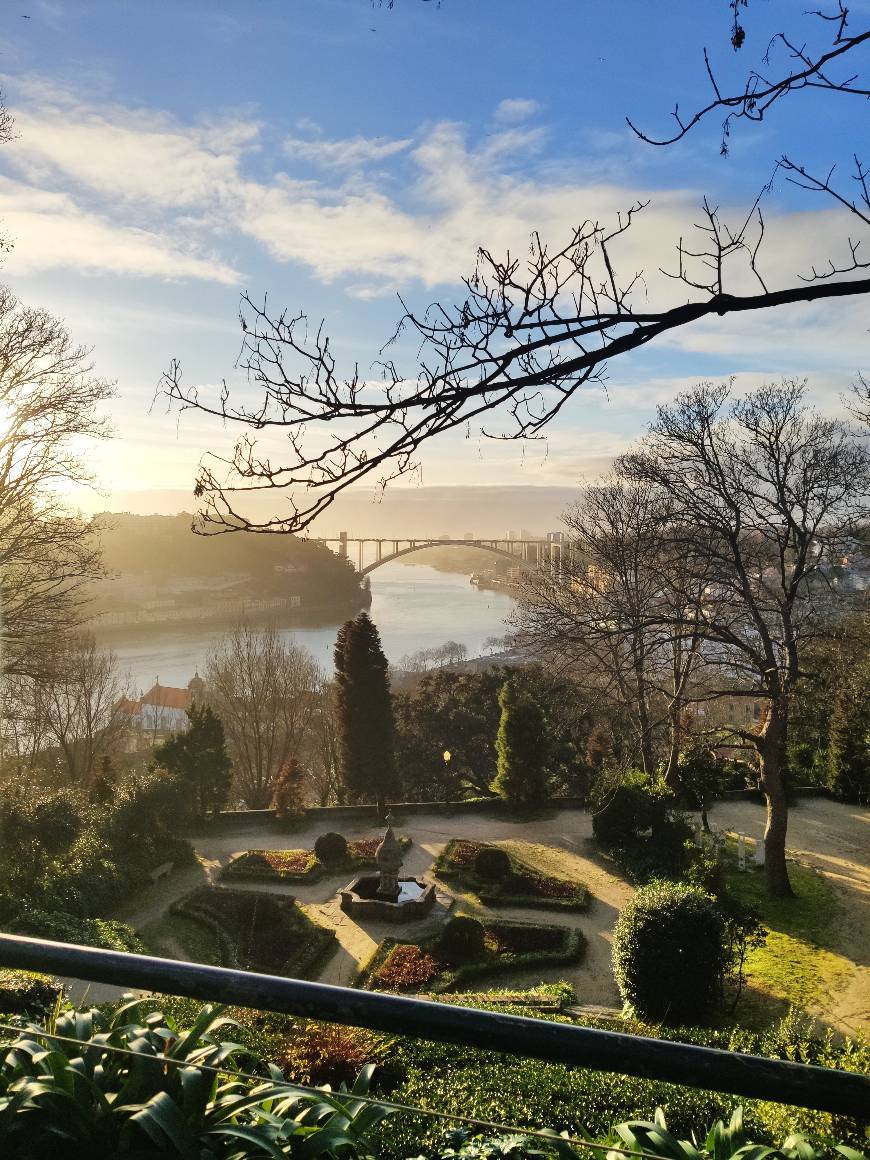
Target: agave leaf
(252, 1136)
(161, 1118)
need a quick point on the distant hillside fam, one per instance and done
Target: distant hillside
(156, 562)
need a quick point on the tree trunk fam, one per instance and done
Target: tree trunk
(771, 747)
(672, 775)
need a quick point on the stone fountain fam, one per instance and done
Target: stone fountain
(386, 895)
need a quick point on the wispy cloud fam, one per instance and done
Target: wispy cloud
(348, 153)
(516, 109)
(51, 231)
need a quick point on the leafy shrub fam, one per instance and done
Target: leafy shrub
(331, 848)
(59, 926)
(462, 939)
(27, 993)
(644, 1137)
(492, 863)
(407, 966)
(669, 952)
(62, 1100)
(638, 803)
(320, 1053)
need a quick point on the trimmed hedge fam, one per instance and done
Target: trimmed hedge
(524, 885)
(569, 947)
(254, 865)
(258, 931)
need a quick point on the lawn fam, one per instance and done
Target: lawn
(508, 946)
(256, 931)
(173, 936)
(799, 962)
(529, 882)
(299, 865)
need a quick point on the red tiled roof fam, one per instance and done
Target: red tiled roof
(125, 705)
(165, 697)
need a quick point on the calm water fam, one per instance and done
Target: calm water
(414, 607)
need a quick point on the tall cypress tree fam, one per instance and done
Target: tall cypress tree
(365, 713)
(521, 748)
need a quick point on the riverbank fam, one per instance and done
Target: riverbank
(414, 607)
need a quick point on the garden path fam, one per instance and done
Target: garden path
(833, 838)
(568, 834)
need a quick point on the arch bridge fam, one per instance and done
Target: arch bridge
(531, 553)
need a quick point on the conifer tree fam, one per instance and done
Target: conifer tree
(288, 798)
(365, 713)
(199, 759)
(521, 747)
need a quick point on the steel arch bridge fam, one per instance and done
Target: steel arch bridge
(530, 553)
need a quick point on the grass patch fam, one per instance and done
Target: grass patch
(800, 960)
(184, 937)
(300, 865)
(508, 946)
(258, 932)
(529, 883)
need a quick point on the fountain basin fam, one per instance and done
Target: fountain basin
(414, 900)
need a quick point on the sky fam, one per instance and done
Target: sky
(333, 154)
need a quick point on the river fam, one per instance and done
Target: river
(413, 605)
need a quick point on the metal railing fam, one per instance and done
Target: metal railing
(780, 1081)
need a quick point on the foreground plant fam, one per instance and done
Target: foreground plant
(132, 1083)
(642, 1138)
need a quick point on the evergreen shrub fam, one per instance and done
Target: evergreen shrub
(638, 803)
(669, 952)
(492, 863)
(462, 939)
(331, 848)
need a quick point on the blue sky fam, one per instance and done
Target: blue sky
(334, 154)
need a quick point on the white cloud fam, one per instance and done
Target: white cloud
(349, 153)
(51, 231)
(516, 109)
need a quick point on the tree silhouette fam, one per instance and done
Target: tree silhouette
(365, 713)
(528, 333)
(200, 760)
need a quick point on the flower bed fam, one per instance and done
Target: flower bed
(524, 886)
(259, 932)
(508, 946)
(300, 865)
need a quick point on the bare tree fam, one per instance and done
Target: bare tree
(608, 614)
(75, 705)
(763, 492)
(49, 403)
(527, 333)
(262, 687)
(323, 744)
